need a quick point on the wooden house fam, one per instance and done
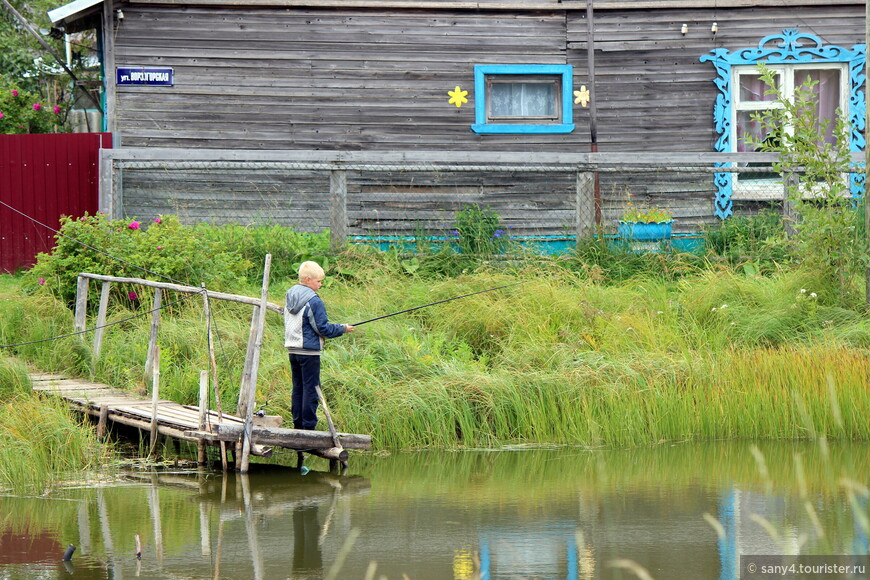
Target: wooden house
(390, 75)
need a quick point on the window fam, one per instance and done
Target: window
(794, 56)
(522, 99)
(750, 99)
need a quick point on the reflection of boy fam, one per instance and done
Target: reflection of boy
(306, 325)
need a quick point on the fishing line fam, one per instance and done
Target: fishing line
(440, 302)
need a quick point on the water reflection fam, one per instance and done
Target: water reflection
(683, 511)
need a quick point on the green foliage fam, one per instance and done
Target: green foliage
(25, 112)
(27, 64)
(288, 247)
(756, 243)
(40, 439)
(165, 248)
(828, 239)
(645, 213)
(480, 231)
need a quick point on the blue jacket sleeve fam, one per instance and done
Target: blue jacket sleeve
(325, 328)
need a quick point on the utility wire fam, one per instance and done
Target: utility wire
(85, 331)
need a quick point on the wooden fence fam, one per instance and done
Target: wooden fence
(372, 194)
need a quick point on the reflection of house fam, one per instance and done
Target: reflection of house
(374, 75)
(755, 523)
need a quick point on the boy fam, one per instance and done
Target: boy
(305, 328)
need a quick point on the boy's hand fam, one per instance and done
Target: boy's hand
(348, 328)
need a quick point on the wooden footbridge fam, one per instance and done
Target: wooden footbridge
(245, 434)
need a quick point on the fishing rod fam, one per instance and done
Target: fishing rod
(440, 302)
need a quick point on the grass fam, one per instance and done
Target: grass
(40, 439)
(561, 358)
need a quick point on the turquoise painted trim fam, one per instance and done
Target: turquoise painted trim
(484, 129)
(789, 47)
(482, 70)
(544, 244)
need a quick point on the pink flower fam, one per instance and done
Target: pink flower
(57, 109)
(132, 295)
(36, 106)
(41, 281)
(14, 93)
(2, 115)
(159, 247)
(134, 225)
(157, 220)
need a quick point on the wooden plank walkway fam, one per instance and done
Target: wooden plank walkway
(183, 421)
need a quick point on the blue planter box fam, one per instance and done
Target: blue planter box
(645, 231)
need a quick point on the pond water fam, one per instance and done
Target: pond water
(684, 511)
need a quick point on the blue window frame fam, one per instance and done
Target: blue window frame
(524, 98)
(790, 52)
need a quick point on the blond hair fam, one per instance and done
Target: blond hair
(310, 270)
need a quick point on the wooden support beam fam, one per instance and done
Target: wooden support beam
(242, 403)
(102, 423)
(288, 438)
(155, 325)
(213, 365)
(585, 205)
(81, 303)
(203, 407)
(155, 388)
(255, 365)
(333, 454)
(101, 320)
(337, 209)
(182, 288)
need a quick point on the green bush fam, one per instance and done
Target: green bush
(757, 241)
(288, 247)
(22, 111)
(163, 250)
(480, 231)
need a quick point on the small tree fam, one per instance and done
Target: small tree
(829, 234)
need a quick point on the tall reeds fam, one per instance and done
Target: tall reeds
(40, 439)
(562, 358)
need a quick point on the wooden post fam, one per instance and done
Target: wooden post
(81, 303)
(102, 423)
(337, 209)
(213, 365)
(584, 215)
(255, 364)
(242, 404)
(108, 41)
(789, 215)
(203, 410)
(155, 388)
(331, 425)
(101, 320)
(155, 324)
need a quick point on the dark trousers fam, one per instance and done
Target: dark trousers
(305, 370)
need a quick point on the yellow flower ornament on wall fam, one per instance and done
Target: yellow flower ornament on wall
(582, 96)
(457, 97)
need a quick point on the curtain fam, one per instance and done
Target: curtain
(522, 99)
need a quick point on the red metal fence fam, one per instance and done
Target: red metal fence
(44, 177)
